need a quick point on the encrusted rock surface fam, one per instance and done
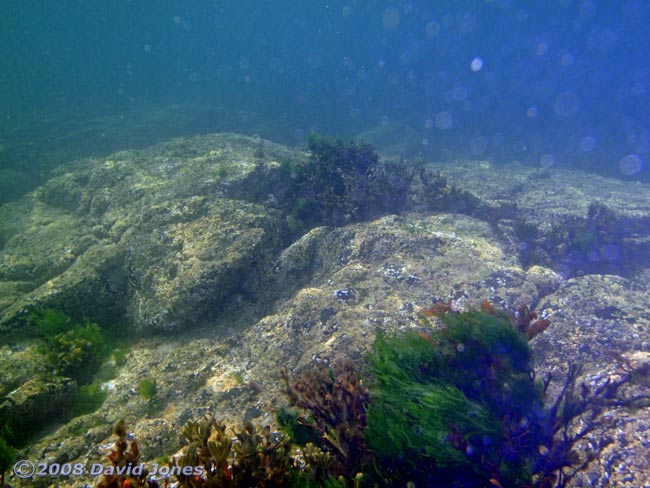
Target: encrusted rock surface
(146, 233)
(576, 222)
(179, 237)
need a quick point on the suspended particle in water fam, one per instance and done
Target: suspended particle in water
(478, 145)
(566, 104)
(567, 59)
(390, 19)
(547, 160)
(587, 144)
(476, 64)
(630, 164)
(444, 120)
(459, 93)
(432, 29)
(519, 146)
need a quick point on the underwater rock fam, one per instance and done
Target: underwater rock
(574, 222)
(187, 263)
(140, 231)
(603, 323)
(35, 404)
(190, 233)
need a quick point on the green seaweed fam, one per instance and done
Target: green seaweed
(89, 398)
(75, 350)
(456, 404)
(147, 388)
(7, 459)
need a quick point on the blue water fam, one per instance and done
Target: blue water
(562, 83)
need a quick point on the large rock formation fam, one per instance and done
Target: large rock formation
(192, 236)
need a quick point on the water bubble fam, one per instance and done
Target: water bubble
(147, 48)
(385, 120)
(444, 120)
(567, 59)
(476, 64)
(177, 19)
(566, 104)
(460, 93)
(428, 123)
(587, 143)
(638, 89)
(532, 112)
(547, 160)
(542, 49)
(390, 18)
(519, 146)
(630, 164)
(478, 145)
(425, 141)
(432, 29)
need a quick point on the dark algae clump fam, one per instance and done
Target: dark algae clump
(345, 182)
(339, 184)
(7, 459)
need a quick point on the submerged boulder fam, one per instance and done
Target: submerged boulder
(146, 234)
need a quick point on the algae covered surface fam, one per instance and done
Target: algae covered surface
(190, 249)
